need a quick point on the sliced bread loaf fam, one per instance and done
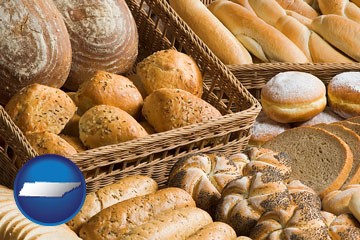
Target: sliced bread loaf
(354, 119)
(351, 139)
(355, 127)
(319, 159)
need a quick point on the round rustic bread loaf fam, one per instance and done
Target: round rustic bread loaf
(103, 36)
(105, 125)
(39, 108)
(109, 89)
(170, 69)
(293, 97)
(35, 46)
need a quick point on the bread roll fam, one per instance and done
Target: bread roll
(126, 188)
(293, 97)
(339, 31)
(299, 6)
(105, 125)
(120, 218)
(176, 225)
(261, 39)
(49, 143)
(337, 202)
(170, 69)
(109, 89)
(354, 205)
(148, 128)
(245, 199)
(166, 109)
(75, 142)
(38, 108)
(72, 126)
(204, 177)
(340, 7)
(342, 227)
(214, 231)
(35, 46)
(315, 47)
(211, 31)
(245, 4)
(302, 195)
(268, 10)
(356, 2)
(103, 36)
(138, 84)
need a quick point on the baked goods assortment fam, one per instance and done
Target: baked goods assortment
(277, 30)
(15, 226)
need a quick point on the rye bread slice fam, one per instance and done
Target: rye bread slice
(354, 119)
(352, 126)
(319, 159)
(351, 139)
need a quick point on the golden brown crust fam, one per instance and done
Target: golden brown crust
(303, 195)
(122, 217)
(38, 108)
(122, 190)
(105, 125)
(354, 205)
(214, 231)
(75, 142)
(35, 46)
(340, 7)
(300, 7)
(166, 109)
(148, 128)
(170, 69)
(72, 127)
(211, 31)
(49, 143)
(337, 202)
(103, 36)
(109, 89)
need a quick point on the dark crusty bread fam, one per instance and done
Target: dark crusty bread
(319, 159)
(351, 139)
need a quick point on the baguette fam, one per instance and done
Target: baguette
(124, 189)
(214, 231)
(175, 225)
(210, 30)
(118, 219)
(268, 10)
(300, 7)
(314, 47)
(261, 39)
(339, 31)
(245, 4)
(340, 7)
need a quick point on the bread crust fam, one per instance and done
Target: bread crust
(337, 202)
(299, 6)
(340, 7)
(35, 46)
(214, 231)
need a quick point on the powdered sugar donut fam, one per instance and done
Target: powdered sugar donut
(327, 116)
(293, 97)
(265, 129)
(344, 94)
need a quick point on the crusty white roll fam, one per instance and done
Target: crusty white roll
(315, 47)
(354, 205)
(339, 31)
(211, 31)
(344, 94)
(340, 7)
(261, 39)
(293, 97)
(300, 7)
(245, 4)
(337, 202)
(103, 36)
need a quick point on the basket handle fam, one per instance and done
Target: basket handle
(14, 138)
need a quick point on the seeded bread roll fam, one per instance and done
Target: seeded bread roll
(124, 189)
(343, 8)
(75, 142)
(302, 195)
(245, 199)
(49, 143)
(353, 141)
(72, 127)
(319, 159)
(204, 177)
(344, 94)
(120, 218)
(293, 97)
(109, 89)
(344, 226)
(39, 108)
(175, 225)
(105, 125)
(166, 109)
(214, 231)
(170, 69)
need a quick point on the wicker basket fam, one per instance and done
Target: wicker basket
(154, 155)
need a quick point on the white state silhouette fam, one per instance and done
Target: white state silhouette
(47, 189)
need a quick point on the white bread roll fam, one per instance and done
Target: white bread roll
(340, 7)
(261, 39)
(299, 6)
(245, 4)
(315, 48)
(354, 205)
(339, 31)
(211, 31)
(268, 10)
(214, 231)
